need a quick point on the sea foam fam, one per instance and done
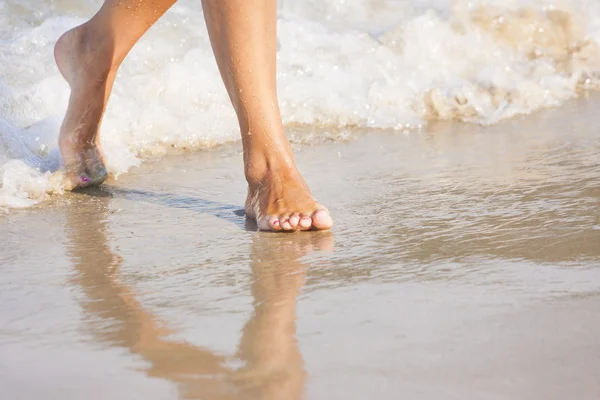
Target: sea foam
(341, 64)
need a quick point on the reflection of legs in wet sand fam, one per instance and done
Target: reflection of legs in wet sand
(273, 364)
(243, 37)
(98, 273)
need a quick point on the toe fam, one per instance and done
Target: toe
(85, 180)
(76, 180)
(98, 177)
(274, 224)
(321, 219)
(305, 222)
(95, 168)
(285, 223)
(268, 223)
(294, 220)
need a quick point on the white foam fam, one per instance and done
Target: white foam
(364, 63)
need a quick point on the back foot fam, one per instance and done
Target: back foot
(88, 169)
(86, 66)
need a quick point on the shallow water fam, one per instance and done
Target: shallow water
(382, 64)
(465, 263)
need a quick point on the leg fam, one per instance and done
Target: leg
(243, 37)
(88, 56)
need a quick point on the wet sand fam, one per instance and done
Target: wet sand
(464, 264)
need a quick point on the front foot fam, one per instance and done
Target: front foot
(281, 201)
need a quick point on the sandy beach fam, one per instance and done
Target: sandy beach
(464, 264)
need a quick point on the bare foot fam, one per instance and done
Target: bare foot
(279, 199)
(87, 67)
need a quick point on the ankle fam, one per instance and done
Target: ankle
(81, 140)
(260, 166)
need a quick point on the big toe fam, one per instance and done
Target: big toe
(321, 219)
(76, 180)
(95, 167)
(97, 174)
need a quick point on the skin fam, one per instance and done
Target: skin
(243, 38)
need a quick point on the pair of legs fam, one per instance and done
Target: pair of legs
(243, 38)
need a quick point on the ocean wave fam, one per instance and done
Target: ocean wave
(341, 63)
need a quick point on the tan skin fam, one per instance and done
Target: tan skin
(243, 37)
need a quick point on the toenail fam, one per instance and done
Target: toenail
(85, 179)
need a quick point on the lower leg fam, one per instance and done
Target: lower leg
(243, 36)
(88, 56)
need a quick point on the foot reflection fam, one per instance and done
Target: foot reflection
(273, 366)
